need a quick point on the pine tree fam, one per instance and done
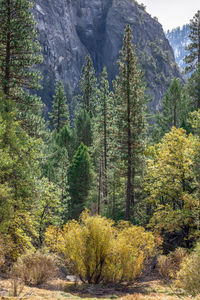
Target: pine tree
(175, 106)
(129, 91)
(103, 144)
(193, 60)
(83, 129)
(80, 180)
(19, 49)
(60, 114)
(88, 86)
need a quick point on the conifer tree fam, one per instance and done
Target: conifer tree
(193, 60)
(60, 114)
(88, 86)
(83, 129)
(131, 106)
(174, 107)
(19, 49)
(104, 125)
(80, 180)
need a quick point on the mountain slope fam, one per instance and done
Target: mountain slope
(69, 29)
(178, 39)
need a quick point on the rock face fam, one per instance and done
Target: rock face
(178, 39)
(70, 29)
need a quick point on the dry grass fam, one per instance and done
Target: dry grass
(153, 289)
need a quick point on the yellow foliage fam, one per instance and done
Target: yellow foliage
(96, 251)
(188, 277)
(172, 185)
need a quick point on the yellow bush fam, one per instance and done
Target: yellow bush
(96, 251)
(169, 265)
(35, 268)
(188, 277)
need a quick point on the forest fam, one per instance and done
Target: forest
(102, 185)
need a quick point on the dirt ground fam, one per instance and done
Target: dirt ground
(148, 287)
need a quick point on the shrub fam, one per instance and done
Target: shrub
(188, 277)
(96, 251)
(2, 257)
(35, 268)
(169, 265)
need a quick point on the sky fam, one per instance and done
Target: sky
(172, 13)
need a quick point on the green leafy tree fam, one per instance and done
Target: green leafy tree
(172, 188)
(19, 171)
(19, 49)
(131, 105)
(60, 114)
(80, 180)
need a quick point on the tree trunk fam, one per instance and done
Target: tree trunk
(105, 149)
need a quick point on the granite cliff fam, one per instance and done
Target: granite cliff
(69, 29)
(178, 39)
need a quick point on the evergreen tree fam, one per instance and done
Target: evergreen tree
(88, 87)
(19, 49)
(83, 129)
(174, 112)
(80, 180)
(103, 144)
(60, 114)
(193, 60)
(131, 106)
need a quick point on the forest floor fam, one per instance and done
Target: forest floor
(148, 287)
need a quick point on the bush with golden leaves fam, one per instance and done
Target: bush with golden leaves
(188, 277)
(97, 251)
(35, 268)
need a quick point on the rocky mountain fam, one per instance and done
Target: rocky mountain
(178, 39)
(69, 29)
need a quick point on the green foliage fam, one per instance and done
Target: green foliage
(60, 113)
(193, 88)
(19, 48)
(104, 143)
(80, 180)
(96, 251)
(49, 208)
(188, 277)
(131, 106)
(88, 87)
(175, 109)
(193, 58)
(83, 132)
(172, 186)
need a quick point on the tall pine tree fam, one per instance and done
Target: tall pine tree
(60, 114)
(193, 60)
(131, 106)
(19, 49)
(88, 87)
(80, 180)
